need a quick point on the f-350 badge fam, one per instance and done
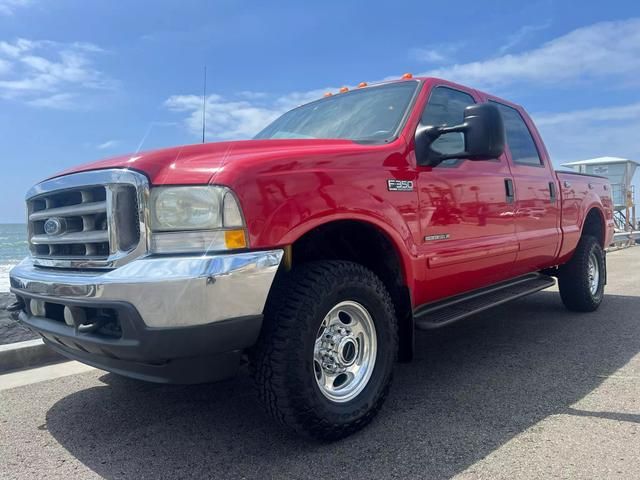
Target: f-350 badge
(400, 185)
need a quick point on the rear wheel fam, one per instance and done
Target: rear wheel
(324, 360)
(581, 280)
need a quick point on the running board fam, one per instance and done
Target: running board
(439, 314)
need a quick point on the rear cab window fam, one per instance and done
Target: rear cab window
(519, 139)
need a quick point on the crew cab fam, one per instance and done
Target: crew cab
(314, 250)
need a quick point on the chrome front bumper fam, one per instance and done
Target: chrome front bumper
(167, 292)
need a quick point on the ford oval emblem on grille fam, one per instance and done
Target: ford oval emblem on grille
(54, 226)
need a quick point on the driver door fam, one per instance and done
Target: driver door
(466, 212)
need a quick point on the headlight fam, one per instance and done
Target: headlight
(195, 219)
(185, 208)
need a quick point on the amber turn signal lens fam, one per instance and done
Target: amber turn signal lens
(407, 76)
(235, 239)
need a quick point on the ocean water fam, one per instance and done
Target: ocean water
(13, 248)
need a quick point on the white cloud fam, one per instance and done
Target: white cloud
(439, 53)
(428, 55)
(606, 49)
(624, 112)
(522, 34)
(248, 94)
(50, 74)
(5, 67)
(224, 118)
(13, 50)
(593, 132)
(242, 116)
(58, 101)
(108, 144)
(7, 7)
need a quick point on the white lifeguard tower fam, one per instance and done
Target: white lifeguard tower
(620, 173)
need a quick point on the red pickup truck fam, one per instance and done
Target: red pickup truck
(314, 250)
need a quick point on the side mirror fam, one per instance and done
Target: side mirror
(480, 137)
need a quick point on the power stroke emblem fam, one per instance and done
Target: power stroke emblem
(440, 236)
(400, 185)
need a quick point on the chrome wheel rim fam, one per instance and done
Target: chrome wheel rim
(345, 352)
(594, 274)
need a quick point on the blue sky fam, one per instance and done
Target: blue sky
(84, 80)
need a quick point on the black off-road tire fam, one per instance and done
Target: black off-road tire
(574, 280)
(282, 361)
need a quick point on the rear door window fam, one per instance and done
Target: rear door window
(519, 139)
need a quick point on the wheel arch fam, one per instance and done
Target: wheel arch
(594, 225)
(370, 245)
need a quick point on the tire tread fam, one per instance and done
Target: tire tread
(285, 397)
(572, 277)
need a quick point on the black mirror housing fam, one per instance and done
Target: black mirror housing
(483, 131)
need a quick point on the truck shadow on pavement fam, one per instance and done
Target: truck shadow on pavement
(473, 387)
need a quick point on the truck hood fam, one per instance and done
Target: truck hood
(202, 163)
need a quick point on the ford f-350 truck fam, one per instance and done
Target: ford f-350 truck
(314, 250)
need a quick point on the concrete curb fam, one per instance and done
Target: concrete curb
(32, 353)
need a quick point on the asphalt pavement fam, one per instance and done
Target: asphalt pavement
(526, 390)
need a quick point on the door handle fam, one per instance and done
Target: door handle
(552, 192)
(509, 190)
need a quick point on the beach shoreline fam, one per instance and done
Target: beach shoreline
(13, 248)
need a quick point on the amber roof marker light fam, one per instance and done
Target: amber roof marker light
(328, 94)
(362, 84)
(344, 89)
(407, 76)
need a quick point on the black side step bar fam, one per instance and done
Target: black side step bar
(439, 314)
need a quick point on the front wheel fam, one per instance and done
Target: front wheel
(324, 360)
(581, 280)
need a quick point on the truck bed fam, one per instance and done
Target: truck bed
(578, 193)
(568, 172)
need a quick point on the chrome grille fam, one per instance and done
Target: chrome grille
(87, 220)
(79, 223)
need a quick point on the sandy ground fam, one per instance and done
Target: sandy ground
(10, 330)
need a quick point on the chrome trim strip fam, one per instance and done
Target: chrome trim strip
(95, 236)
(167, 291)
(109, 178)
(73, 210)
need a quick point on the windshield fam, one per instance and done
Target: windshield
(367, 114)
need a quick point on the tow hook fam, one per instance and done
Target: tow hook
(93, 325)
(15, 308)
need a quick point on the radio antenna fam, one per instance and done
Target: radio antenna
(204, 103)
